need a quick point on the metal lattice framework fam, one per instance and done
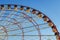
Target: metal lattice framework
(18, 22)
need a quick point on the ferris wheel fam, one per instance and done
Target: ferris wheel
(18, 22)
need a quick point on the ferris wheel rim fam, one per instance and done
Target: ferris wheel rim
(38, 11)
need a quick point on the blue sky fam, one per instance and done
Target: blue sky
(49, 7)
